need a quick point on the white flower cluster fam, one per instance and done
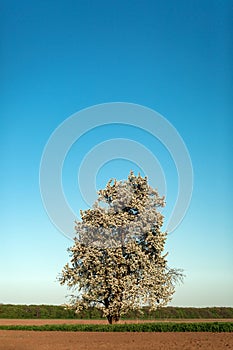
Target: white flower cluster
(117, 261)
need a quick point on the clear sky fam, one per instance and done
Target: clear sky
(59, 57)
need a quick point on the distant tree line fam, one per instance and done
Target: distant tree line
(59, 312)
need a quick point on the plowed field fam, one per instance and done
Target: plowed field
(35, 340)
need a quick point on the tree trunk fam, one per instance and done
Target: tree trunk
(113, 319)
(109, 319)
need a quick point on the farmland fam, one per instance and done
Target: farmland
(52, 328)
(27, 340)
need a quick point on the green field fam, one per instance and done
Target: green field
(58, 312)
(141, 327)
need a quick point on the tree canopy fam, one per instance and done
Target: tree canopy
(117, 260)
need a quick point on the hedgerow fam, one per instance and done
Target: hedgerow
(139, 327)
(59, 312)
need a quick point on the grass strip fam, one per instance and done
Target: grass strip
(141, 327)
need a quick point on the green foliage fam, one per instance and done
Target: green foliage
(192, 312)
(35, 311)
(181, 313)
(139, 327)
(58, 312)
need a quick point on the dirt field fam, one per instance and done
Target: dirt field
(30, 340)
(72, 321)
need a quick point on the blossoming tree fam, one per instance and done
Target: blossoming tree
(117, 260)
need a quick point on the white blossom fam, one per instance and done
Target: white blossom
(117, 260)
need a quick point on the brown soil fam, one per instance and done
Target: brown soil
(75, 321)
(30, 340)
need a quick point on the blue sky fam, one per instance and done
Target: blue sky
(59, 57)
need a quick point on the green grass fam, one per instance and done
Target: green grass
(143, 327)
